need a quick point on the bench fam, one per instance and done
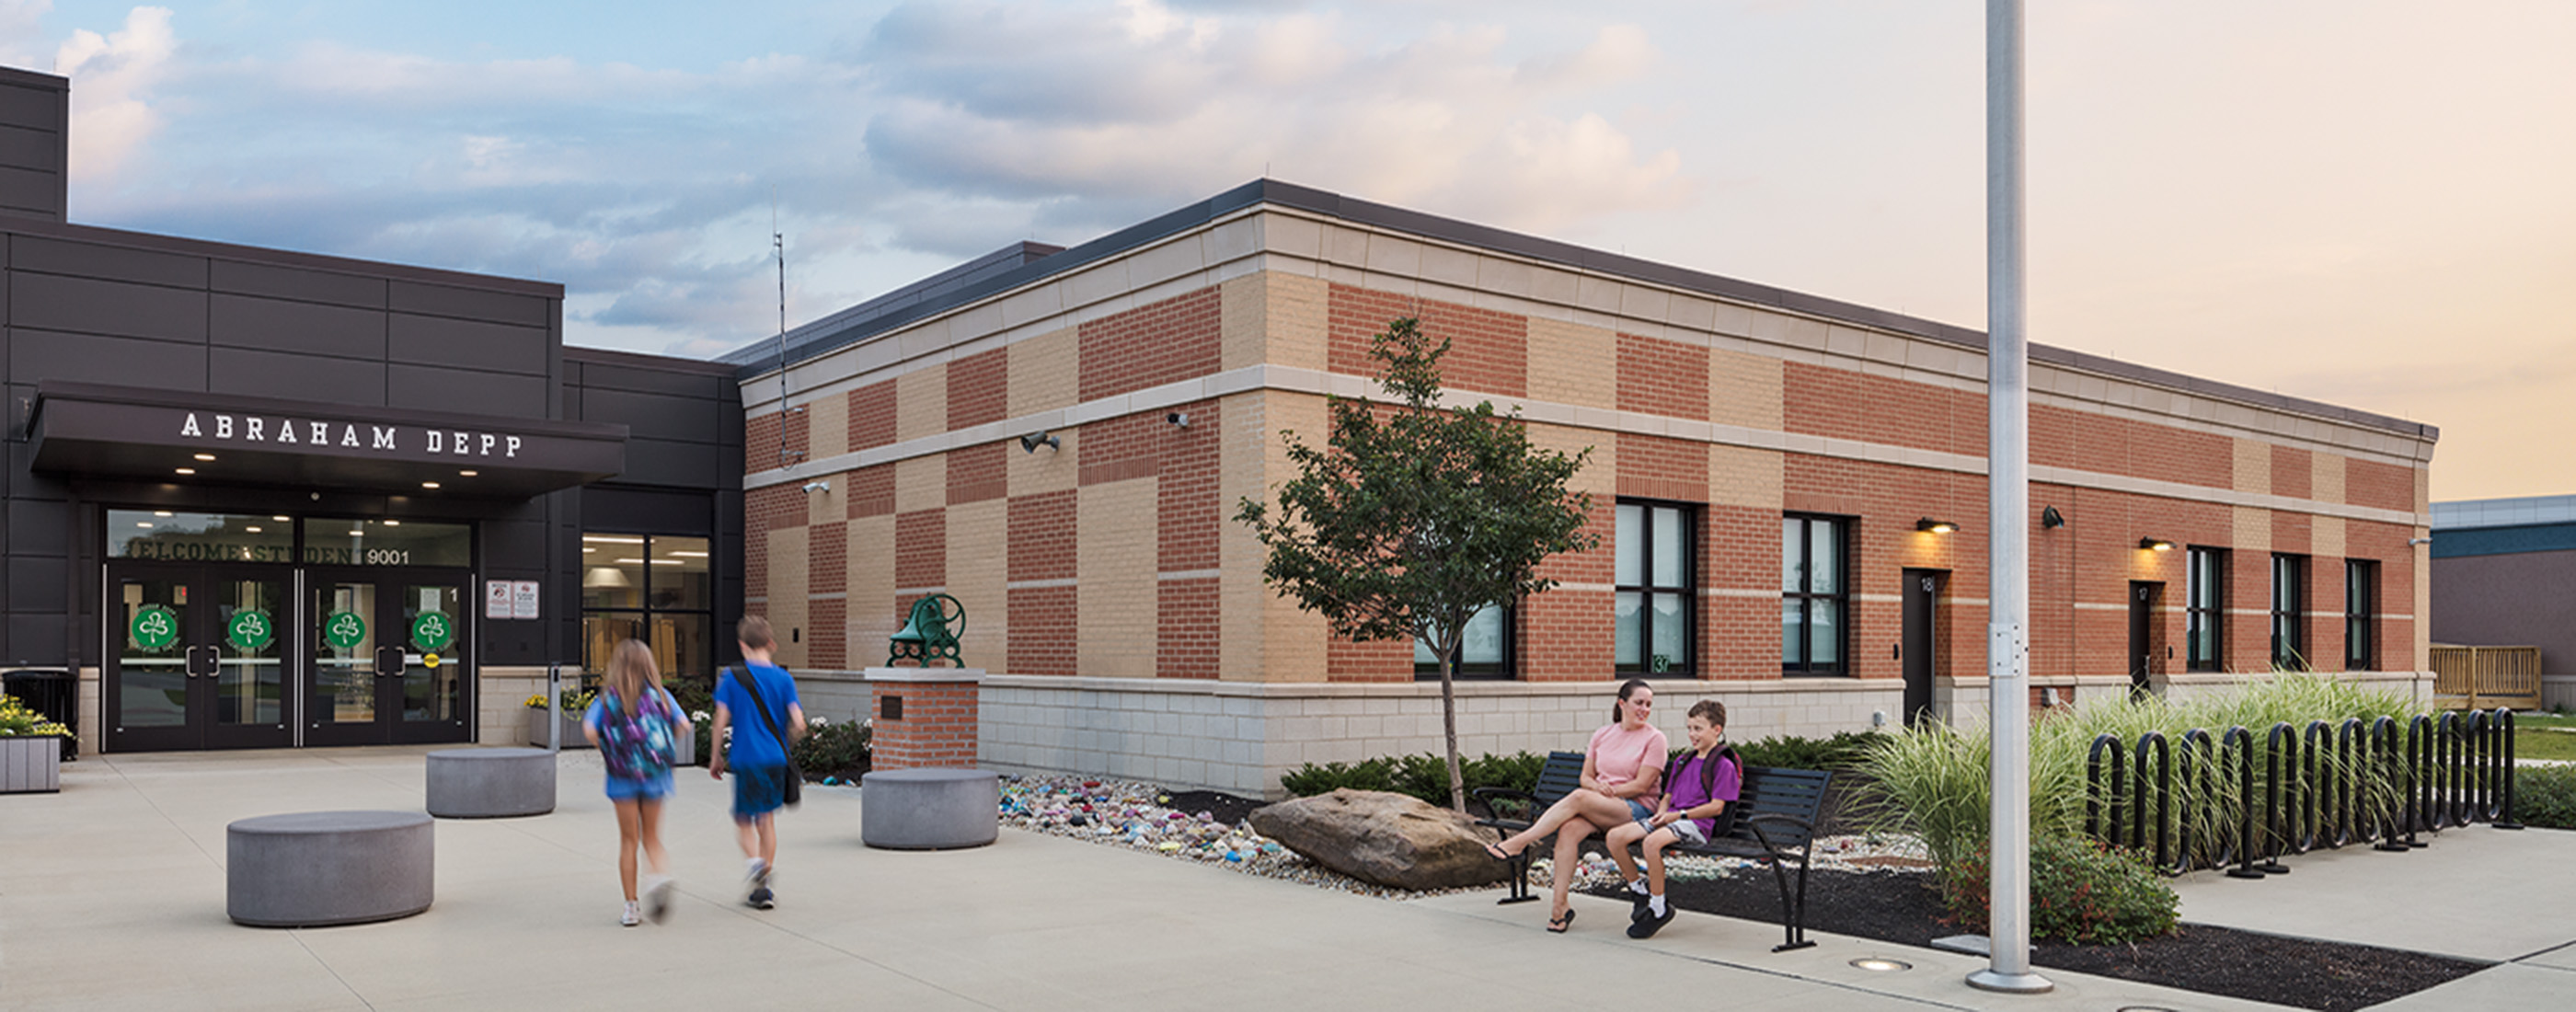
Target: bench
(485, 783)
(929, 808)
(310, 869)
(1775, 820)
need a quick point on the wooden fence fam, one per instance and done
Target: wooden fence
(2479, 678)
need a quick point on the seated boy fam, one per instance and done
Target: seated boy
(1698, 784)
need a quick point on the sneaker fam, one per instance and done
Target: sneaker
(657, 898)
(631, 918)
(1647, 926)
(759, 897)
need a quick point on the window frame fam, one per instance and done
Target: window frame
(2204, 608)
(1503, 670)
(2361, 614)
(644, 613)
(2290, 640)
(1840, 664)
(1687, 589)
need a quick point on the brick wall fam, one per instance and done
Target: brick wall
(939, 725)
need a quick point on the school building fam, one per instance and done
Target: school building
(260, 499)
(1790, 495)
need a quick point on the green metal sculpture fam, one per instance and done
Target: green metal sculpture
(930, 634)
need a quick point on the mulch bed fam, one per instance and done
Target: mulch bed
(1901, 907)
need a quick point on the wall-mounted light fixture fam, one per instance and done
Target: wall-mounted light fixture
(1935, 526)
(818, 486)
(2155, 544)
(2050, 518)
(1179, 419)
(2412, 542)
(1032, 441)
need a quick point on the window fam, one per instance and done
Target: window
(1812, 597)
(2205, 614)
(1483, 652)
(1652, 630)
(2289, 599)
(2360, 615)
(654, 588)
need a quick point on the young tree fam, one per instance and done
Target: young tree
(1416, 516)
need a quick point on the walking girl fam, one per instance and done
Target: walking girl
(637, 726)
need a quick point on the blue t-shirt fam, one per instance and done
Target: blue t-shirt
(753, 745)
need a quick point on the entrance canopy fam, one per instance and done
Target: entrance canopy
(195, 438)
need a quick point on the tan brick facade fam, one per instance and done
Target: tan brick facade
(1111, 559)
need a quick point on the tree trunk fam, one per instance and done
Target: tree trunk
(1449, 728)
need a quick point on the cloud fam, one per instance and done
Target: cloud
(21, 26)
(112, 80)
(1049, 103)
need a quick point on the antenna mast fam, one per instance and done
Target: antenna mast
(778, 246)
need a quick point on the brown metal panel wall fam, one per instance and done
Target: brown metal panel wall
(2521, 599)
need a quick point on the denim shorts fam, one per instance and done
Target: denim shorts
(757, 791)
(1637, 810)
(651, 789)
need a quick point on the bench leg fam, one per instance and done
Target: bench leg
(1793, 916)
(1519, 890)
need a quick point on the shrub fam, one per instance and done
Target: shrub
(831, 746)
(1844, 750)
(1424, 776)
(2545, 796)
(2080, 891)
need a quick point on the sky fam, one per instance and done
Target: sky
(2362, 202)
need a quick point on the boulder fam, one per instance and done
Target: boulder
(1388, 839)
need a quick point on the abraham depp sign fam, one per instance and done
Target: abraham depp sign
(183, 437)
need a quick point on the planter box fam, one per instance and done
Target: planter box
(31, 764)
(571, 729)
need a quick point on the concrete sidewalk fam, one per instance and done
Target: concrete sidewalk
(111, 896)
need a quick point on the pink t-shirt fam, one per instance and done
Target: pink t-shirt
(1618, 754)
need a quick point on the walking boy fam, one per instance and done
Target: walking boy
(758, 701)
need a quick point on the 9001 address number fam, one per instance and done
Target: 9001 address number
(388, 557)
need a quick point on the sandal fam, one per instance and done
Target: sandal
(1557, 925)
(1497, 852)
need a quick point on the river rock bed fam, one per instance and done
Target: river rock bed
(1139, 816)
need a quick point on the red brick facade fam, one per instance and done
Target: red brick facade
(937, 728)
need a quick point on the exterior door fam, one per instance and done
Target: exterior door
(1922, 595)
(386, 657)
(2143, 598)
(197, 657)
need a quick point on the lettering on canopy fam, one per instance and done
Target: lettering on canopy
(280, 431)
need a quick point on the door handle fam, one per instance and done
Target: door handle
(392, 667)
(196, 668)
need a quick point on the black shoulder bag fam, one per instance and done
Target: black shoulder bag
(793, 793)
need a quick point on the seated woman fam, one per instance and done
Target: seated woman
(1698, 784)
(1620, 770)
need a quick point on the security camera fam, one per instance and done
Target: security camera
(818, 486)
(1179, 418)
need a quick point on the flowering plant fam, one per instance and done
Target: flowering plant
(575, 700)
(18, 721)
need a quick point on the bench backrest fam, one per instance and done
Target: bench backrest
(1772, 790)
(1562, 774)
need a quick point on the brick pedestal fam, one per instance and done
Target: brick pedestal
(924, 716)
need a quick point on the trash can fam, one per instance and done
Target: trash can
(53, 694)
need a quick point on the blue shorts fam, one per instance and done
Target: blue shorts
(1637, 810)
(653, 789)
(757, 791)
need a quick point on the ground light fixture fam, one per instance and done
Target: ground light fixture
(2155, 544)
(1935, 526)
(1881, 964)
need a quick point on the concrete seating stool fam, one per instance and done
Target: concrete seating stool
(929, 808)
(483, 783)
(310, 869)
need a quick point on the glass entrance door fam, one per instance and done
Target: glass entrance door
(388, 651)
(197, 657)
